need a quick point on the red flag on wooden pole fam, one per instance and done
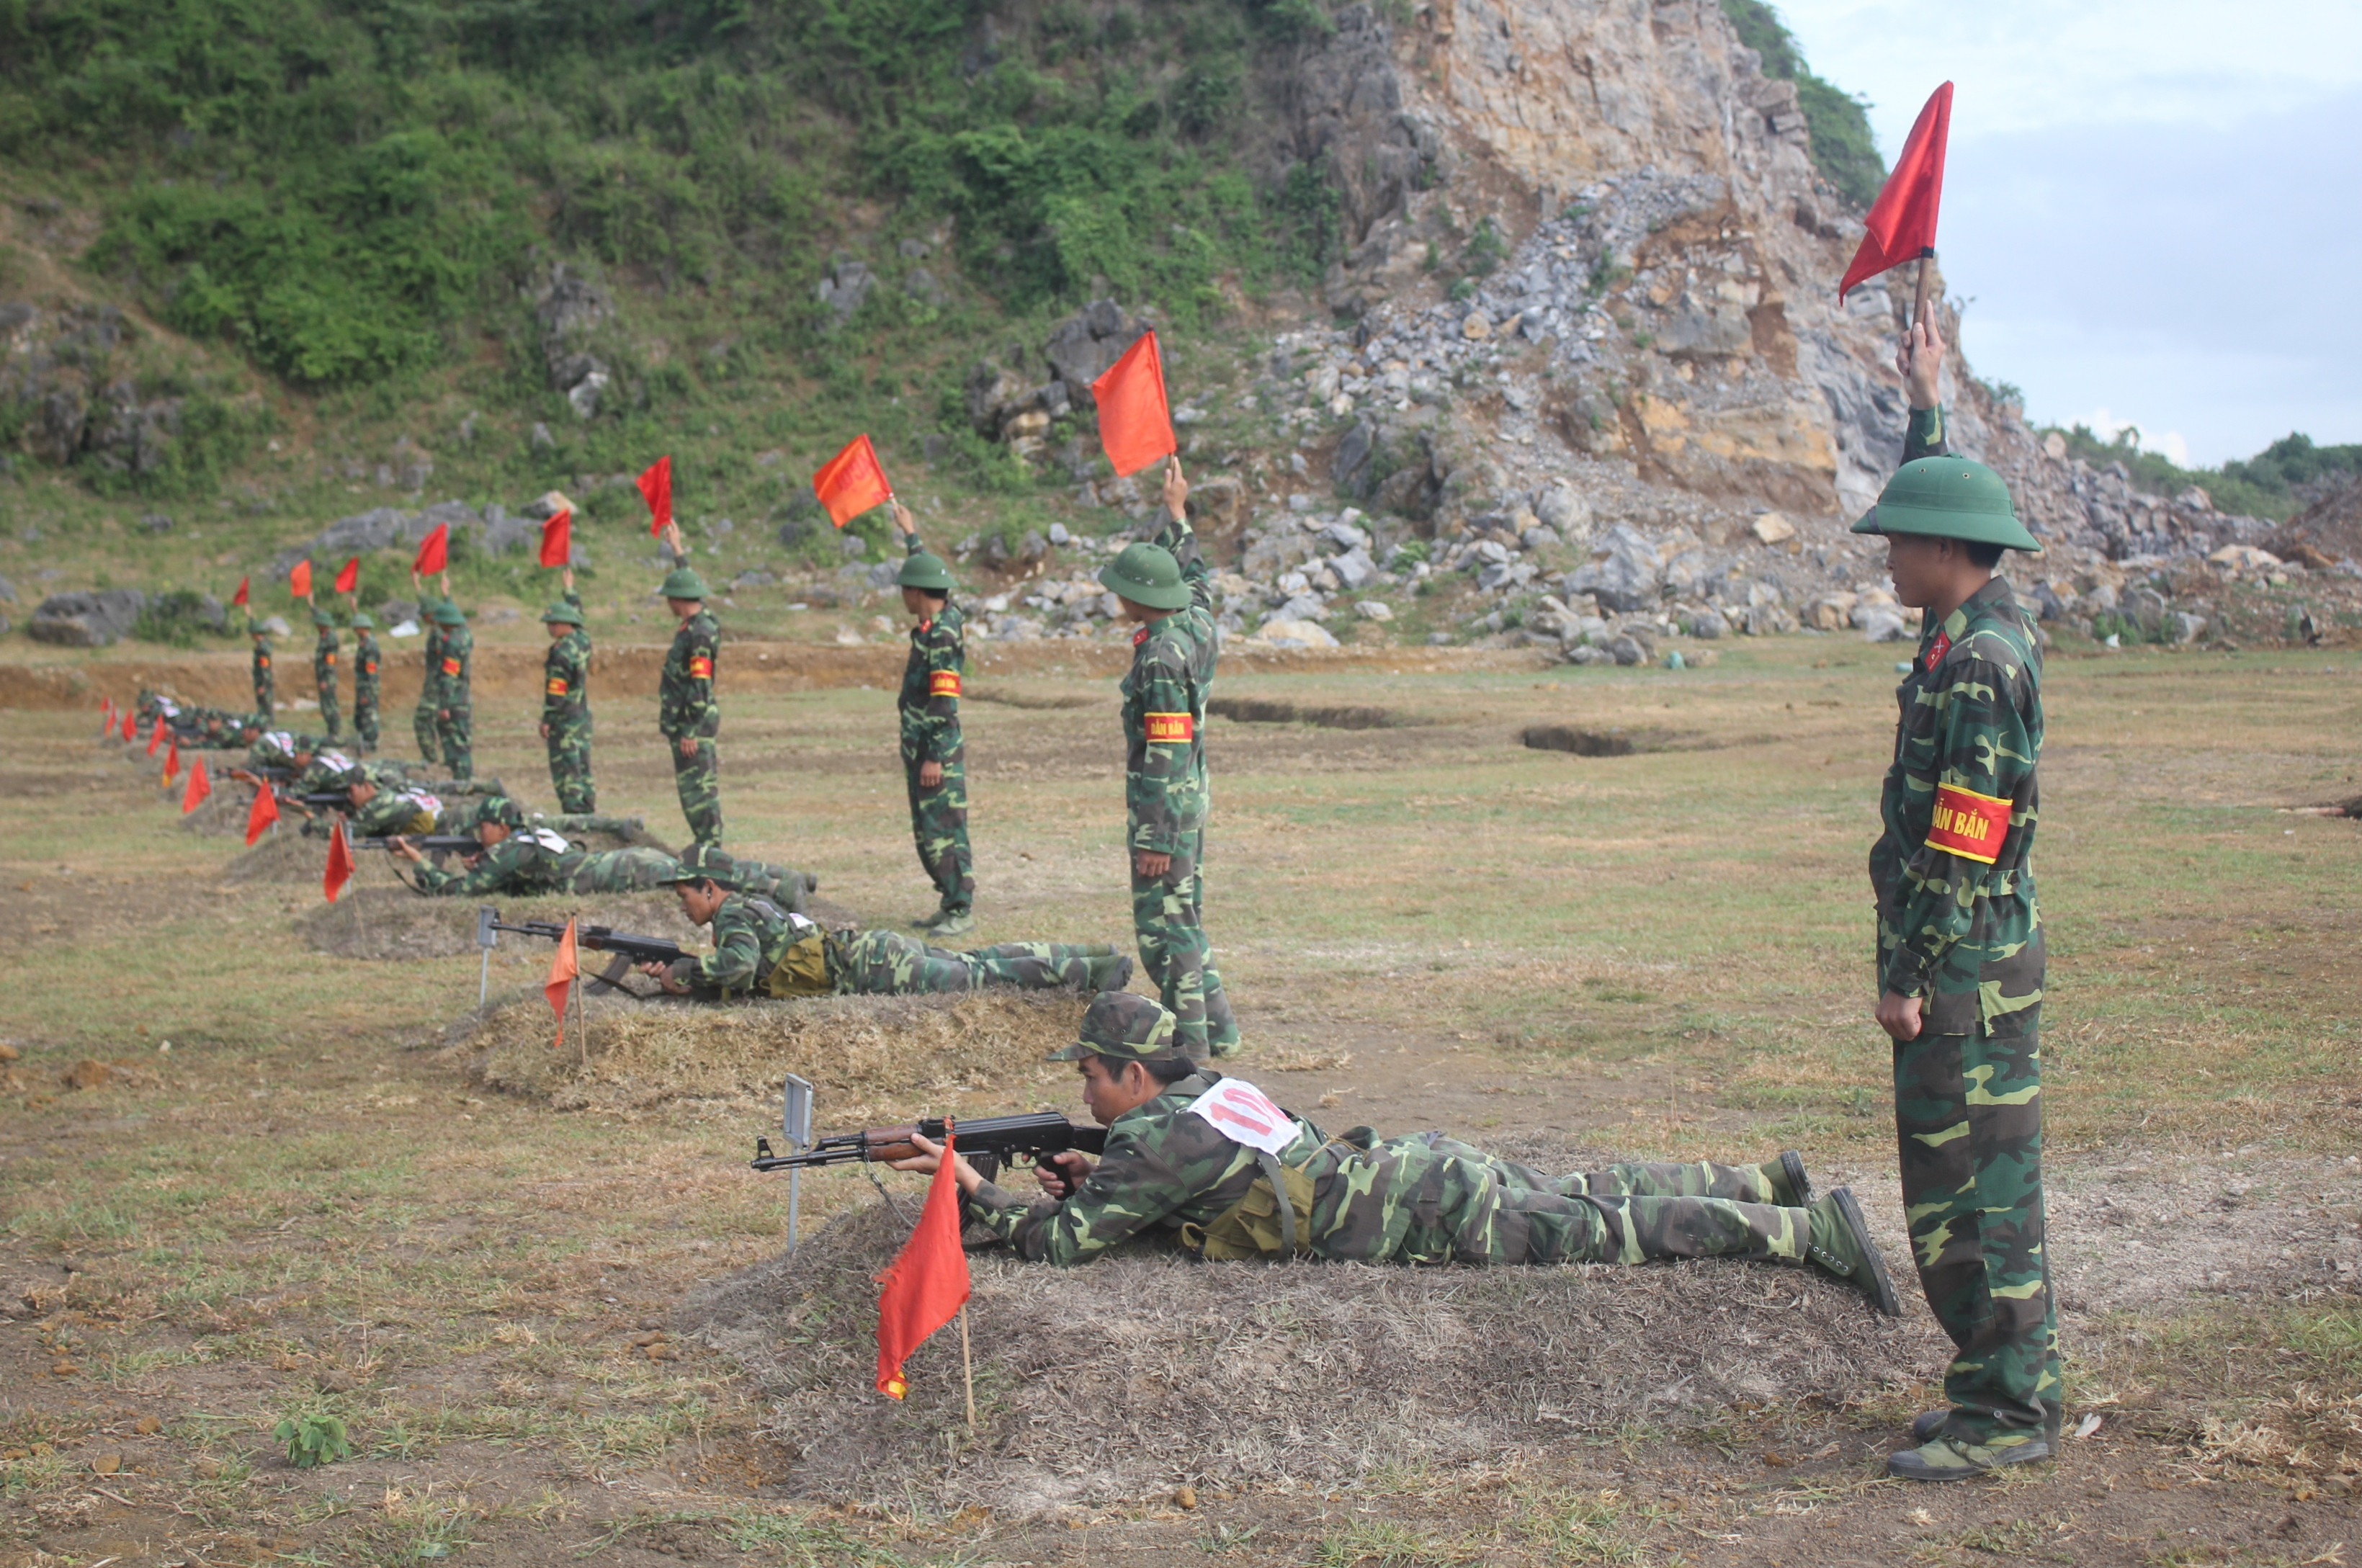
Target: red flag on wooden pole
(557, 538)
(655, 488)
(264, 811)
(852, 482)
(350, 577)
(926, 1284)
(128, 733)
(1136, 427)
(434, 551)
(340, 862)
(1901, 222)
(106, 719)
(299, 580)
(199, 787)
(172, 761)
(156, 735)
(243, 583)
(562, 970)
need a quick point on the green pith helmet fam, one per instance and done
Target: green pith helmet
(562, 613)
(1147, 574)
(682, 583)
(1949, 498)
(702, 863)
(449, 614)
(364, 622)
(321, 618)
(1124, 1027)
(925, 570)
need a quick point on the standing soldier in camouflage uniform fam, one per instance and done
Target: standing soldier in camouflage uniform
(365, 680)
(1961, 949)
(324, 671)
(566, 702)
(1166, 588)
(265, 688)
(1275, 1186)
(454, 709)
(934, 763)
(686, 712)
(422, 718)
(762, 949)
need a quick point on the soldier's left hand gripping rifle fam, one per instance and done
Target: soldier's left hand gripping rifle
(988, 1143)
(624, 948)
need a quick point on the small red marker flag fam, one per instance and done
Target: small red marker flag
(434, 551)
(655, 488)
(199, 787)
(1136, 427)
(106, 719)
(1901, 222)
(243, 584)
(852, 482)
(299, 580)
(128, 733)
(557, 538)
(264, 812)
(350, 577)
(156, 735)
(340, 862)
(172, 761)
(562, 970)
(926, 1284)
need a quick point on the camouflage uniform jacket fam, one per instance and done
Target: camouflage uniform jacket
(324, 656)
(1958, 923)
(449, 670)
(391, 811)
(327, 768)
(685, 702)
(532, 861)
(566, 678)
(433, 648)
(272, 748)
(263, 682)
(751, 934)
(1162, 1168)
(1165, 790)
(929, 704)
(365, 658)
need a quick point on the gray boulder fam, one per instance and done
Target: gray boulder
(1622, 573)
(7, 592)
(847, 284)
(86, 619)
(1085, 344)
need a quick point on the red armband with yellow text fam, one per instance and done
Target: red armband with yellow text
(942, 683)
(1171, 729)
(1968, 824)
(701, 667)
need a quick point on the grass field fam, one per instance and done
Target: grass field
(304, 1207)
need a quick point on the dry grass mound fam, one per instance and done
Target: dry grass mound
(1125, 1377)
(871, 1058)
(283, 857)
(394, 923)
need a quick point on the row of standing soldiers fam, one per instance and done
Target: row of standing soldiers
(443, 720)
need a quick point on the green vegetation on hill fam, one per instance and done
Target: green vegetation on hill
(1843, 149)
(2272, 483)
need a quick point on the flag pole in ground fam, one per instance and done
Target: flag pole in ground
(967, 1368)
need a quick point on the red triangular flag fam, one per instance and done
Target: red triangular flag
(925, 1286)
(350, 578)
(1134, 425)
(299, 580)
(106, 719)
(264, 812)
(656, 486)
(172, 761)
(239, 597)
(562, 970)
(1901, 222)
(557, 538)
(199, 787)
(434, 551)
(156, 735)
(128, 733)
(340, 862)
(852, 482)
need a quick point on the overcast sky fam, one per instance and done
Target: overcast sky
(2152, 203)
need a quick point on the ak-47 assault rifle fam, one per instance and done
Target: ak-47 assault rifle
(988, 1142)
(625, 948)
(426, 843)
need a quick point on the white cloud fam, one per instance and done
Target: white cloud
(2168, 444)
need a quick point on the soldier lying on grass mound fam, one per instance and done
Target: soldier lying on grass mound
(521, 857)
(762, 949)
(1201, 1159)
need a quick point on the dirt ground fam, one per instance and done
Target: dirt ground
(258, 1164)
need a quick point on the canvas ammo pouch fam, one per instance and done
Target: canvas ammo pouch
(805, 969)
(1259, 1225)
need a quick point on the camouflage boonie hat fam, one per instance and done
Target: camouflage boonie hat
(1124, 1027)
(702, 863)
(358, 773)
(502, 809)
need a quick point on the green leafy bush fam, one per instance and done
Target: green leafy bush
(176, 617)
(313, 1438)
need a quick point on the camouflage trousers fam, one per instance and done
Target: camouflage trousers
(332, 719)
(1432, 1199)
(622, 871)
(422, 725)
(939, 825)
(365, 716)
(698, 778)
(569, 767)
(262, 698)
(889, 964)
(456, 735)
(1174, 954)
(1968, 1115)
